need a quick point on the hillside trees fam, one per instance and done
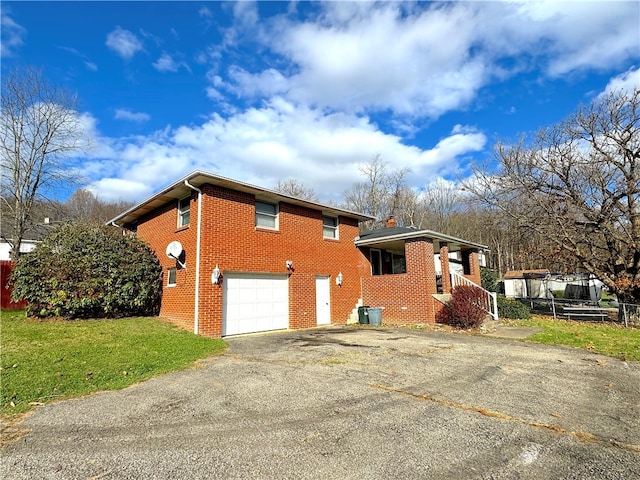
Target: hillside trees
(85, 270)
(443, 207)
(39, 129)
(382, 194)
(83, 205)
(576, 186)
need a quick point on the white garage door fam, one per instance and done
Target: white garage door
(255, 303)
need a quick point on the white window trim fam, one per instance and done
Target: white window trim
(275, 216)
(182, 211)
(334, 227)
(175, 277)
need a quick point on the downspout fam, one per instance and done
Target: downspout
(197, 298)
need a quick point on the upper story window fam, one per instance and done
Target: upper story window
(266, 215)
(330, 227)
(184, 212)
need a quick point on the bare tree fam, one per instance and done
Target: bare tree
(296, 189)
(381, 194)
(577, 186)
(83, 205)
(441, 201)
(39, 129)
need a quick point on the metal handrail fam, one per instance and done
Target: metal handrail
(491, 304)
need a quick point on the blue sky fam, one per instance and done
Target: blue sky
(267, 91)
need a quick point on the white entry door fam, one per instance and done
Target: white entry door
(255, 302)
(323, 302)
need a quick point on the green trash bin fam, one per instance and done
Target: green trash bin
(375, 316)
(363, 315)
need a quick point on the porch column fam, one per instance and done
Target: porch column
(471, 265)
(444, 267)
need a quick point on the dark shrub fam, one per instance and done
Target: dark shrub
(85, 270)
(466, 309)
(490, 280)
(510, 308)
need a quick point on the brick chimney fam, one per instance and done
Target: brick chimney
(391, 222)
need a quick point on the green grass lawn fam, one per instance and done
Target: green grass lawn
(43, 361)
(606, 338)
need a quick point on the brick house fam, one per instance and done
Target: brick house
(238, 258)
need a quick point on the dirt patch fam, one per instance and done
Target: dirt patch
(11, 431)
(504, 331)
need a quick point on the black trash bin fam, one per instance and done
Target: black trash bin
(375, 316)
(363, 315)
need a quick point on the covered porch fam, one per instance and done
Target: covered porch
(411, 267)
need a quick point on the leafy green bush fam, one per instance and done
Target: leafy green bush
(510, 308)
(465, 309)
(489, 279)
(83, 270)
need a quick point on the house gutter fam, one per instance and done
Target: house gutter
(198, 231)
(419, 233)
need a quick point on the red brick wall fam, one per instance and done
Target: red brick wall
(160, 229)
(407, 297)
(230, 239)
(473, 260)
(444, 268)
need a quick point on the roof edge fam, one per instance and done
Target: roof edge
(419, 233)
(218, 179)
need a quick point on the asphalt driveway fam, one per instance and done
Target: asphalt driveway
(350, 403)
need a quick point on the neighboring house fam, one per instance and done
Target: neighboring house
(32, 236)
(544, 284)
(238, 258)
(515, 283)
(25, 247)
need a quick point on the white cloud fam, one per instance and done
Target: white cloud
(590, 35)
(116, 189)
(204, 12)
(366, 57)
(12, 35)
(627, 81)
(124, 114)
(423, 61)
(124, 43)
(268, 83)
(280, 140)
(166, 63)
(91, 66)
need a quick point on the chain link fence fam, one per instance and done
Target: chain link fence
(589, 310)
(630, 313)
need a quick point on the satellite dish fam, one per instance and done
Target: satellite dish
(174, 249)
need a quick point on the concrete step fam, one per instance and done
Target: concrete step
(443, 298)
